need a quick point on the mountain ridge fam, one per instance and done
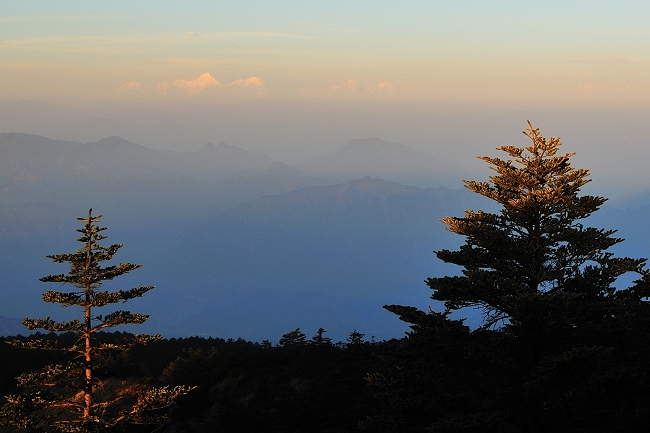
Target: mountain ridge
(381, 159)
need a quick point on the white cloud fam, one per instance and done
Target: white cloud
(163, 87)
(383, 88)
(131, 86)
(348, 86)
(201, 83)
(251, 82)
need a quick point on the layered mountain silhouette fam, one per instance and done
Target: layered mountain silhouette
(26, 157)
(321, 256)
(149, 198)
(126, 178)
(240, 245)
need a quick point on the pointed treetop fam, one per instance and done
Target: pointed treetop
(537, 177)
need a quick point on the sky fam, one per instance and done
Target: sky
(508, 51)
(294, 79)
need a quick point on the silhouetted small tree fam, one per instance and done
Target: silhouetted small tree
(71, 397)
(355, 338)
(319, 340)
(293, 338)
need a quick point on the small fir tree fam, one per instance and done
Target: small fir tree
(319, 340)
(293, 338)
(63, 397)
(355, 338)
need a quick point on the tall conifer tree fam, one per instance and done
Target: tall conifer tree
(535, 257)
(61, 397)
(561, 348)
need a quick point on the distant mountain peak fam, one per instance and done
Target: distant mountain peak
(377, 158)
(115, 141)
(372, 143)
(225, 149)
(208, 148)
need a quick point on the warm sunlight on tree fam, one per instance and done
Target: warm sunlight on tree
(561, 348)
(535, 257)
(72, 397)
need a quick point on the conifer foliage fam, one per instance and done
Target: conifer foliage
(72, 396)
(561, 347)
(535, 256)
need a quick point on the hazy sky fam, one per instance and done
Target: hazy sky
(293, 79)
(568, 51)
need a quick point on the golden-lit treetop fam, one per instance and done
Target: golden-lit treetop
(536, 246)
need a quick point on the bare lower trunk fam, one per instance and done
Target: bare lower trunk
(88, 389)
